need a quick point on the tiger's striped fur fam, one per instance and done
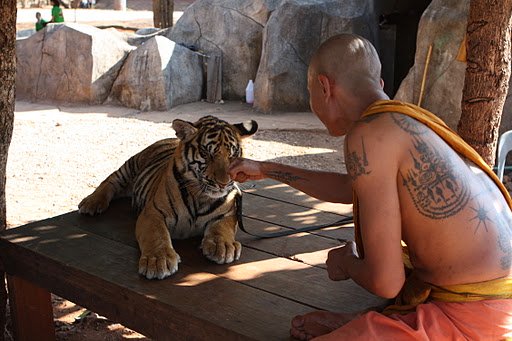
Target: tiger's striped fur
(180, 188)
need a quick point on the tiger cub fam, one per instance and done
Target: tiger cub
(180, 188)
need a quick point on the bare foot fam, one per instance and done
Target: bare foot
(317, 323)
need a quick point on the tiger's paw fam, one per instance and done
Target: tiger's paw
(93, 204)
(220, 250)
(159, 263)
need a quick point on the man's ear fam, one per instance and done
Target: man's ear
(326, 85)
(382, 83)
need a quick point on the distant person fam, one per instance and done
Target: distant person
(57, 15)
(40, 23)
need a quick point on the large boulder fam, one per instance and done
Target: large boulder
(228, 28)
(159, 75)
(69, 63)
(293, 32)
(443, 25)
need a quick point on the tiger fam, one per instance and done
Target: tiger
(180, 188)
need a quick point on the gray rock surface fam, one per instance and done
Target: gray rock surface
(293, 32)
(230, 28)
(443, 25)
(159, 75)
(69, 63)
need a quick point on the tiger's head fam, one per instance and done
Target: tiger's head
(207, 148)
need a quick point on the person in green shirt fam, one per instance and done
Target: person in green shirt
(57, 15)
(40, 23)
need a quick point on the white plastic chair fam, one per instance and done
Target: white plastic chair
(504, 146)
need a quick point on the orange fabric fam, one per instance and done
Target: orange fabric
(482, 320)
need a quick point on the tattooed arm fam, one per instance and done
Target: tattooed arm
(372, 163)
(325, 186)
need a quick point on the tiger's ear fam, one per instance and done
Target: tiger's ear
(184, 130)
(247, 128)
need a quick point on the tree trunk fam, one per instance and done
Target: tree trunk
(162, 13)
(7, 87)
(487, 75)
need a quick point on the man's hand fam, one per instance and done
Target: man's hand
(242, 170)
(337, 261)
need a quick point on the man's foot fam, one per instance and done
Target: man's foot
(317, 323)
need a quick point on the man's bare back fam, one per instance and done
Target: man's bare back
(454, 219)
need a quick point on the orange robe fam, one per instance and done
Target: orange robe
(422, 311)
(433, 321)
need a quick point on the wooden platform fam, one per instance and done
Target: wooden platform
(92, 261)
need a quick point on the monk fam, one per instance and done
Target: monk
(413, 182)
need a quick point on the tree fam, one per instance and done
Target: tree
(7, 87)
(487, 74)
(162, 13)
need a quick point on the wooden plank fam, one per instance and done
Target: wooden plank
(101, 275)
(296, 281)
(274, 189)
(31, 311)
(118, 224)
(214, 78)
(281, 214)
(304, 248)
(309, 248)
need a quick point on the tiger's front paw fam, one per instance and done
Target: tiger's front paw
(93, 204)
(221, 250)
(159, 263)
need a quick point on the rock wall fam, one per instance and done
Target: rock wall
(69, 63)
(228, 28)
(158, 76)
(443, 25)
(292, 34)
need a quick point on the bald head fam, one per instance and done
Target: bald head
(349, 60)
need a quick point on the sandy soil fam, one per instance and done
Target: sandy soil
(60, 154)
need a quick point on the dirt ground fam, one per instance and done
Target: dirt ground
(59, 154)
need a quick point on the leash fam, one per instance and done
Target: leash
(238, 201)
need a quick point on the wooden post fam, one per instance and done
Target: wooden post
(213, 78)
(31, 311)
(163, 13)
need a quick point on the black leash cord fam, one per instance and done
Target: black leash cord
(343, 221)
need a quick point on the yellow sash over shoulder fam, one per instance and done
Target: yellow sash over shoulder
(415, 291)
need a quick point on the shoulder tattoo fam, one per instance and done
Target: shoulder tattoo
(357, 163)
(409, 124)
(435, 189)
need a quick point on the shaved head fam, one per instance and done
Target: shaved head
(349, 60)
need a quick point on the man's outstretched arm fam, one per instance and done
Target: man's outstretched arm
(325, 186)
